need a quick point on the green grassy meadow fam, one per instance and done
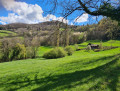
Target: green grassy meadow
(4, 33)
(83, 71)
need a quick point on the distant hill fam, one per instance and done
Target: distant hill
(49, 26)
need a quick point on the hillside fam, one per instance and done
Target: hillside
(83, 71)
(5, 33)
(46, 32)
(49, 26)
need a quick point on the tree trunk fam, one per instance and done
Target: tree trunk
(67, 37)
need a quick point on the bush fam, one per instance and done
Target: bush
(19, 52)
(6, 50)
(31, 52)
(69, 50)
(77, 47)
(6, 55)
(101, 46)
(88, 48)
(55, 53)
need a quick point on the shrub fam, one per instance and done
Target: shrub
(61, 52)
(6, 55)
(88, 48)
(32, 46)
(69, 50)
(6, 50)
(31, 52)
(55, 53)
(77, 47)
(101, 46)
(19, 51)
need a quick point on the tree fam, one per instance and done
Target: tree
(67, 37)
(106, 29)
(108, 8)
(58, 35)
(110, 27)
(35, 44)
(8, 46)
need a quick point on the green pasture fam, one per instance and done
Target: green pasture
(4, 33)
(83, 71)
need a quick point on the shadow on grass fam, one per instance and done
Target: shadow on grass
(64, 81)
(107, 71)
(83, 46)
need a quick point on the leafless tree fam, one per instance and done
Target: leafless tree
(108, 8)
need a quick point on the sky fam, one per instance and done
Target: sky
(32, 12)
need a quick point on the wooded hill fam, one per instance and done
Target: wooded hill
(50, 25)
(106, 29)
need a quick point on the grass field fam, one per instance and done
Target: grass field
(83, 71)
(4, 33)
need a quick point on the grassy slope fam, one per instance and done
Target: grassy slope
(4, 33)
(80, 72)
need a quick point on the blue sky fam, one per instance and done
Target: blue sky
(32, 11)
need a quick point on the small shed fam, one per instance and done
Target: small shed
(93, 46)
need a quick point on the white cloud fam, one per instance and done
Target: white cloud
(26, 13)
(81, 19)
(3, 23)
(63, 20)
(52, 17)
(71, 23)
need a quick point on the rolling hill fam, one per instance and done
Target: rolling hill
(83, 71)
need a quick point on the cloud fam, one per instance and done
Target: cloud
(3, 23)
(81, 19)
(52, 17)
(26, 13)
(71, 23)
